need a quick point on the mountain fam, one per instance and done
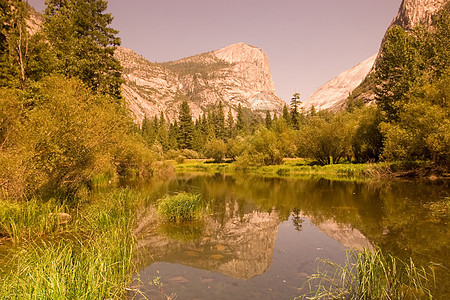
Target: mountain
(333, 94)
(416, 12)
(236, 74)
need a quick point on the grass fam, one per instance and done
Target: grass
(290, 168)
(370, 275)
(23, 221)
(88, 258)
(181, 207)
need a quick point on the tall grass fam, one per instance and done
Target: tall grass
(370, 275)
(181, 207)
(22, 221)
(91, 259)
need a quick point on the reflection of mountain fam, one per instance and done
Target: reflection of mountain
(345, 234)
(240, 246)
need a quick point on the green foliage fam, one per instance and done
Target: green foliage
(397, 70)
(185, 127)
(203, 66)
(181, 207)
(84, 44)
(422, 131)
(216, 149)
(88, 258)
(371, 275)
(54, 138)
(267, 147)
(367, 142)
(327, 138)
(295, 115)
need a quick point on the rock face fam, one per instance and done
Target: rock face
(333, 94)
(237, 74)
(415, 12)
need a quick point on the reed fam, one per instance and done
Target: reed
(370, 275)
(91, 259)
(181, 207)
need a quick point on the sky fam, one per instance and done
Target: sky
(308, 42)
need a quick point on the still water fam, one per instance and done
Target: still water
(262, 237)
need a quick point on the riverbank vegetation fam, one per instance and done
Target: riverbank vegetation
(56, 251)
(371, 275)
(181, 207)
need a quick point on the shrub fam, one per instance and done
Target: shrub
(215, 149)
(181, 207)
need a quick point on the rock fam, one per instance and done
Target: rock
(236, 74)
(217, 256)
(178, 279)
(333, 94)
(63, 218)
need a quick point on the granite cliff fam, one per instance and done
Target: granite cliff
(237, 74)
(333, 94)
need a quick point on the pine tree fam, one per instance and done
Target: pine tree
(219, 122)
(268, 120)
(173, 135)
(295, 116)
(148, 131)
(241, 122)
(286, 115)
(186, 127)
(24, 56)
(79, 32)
(162, 133)
(230, 124)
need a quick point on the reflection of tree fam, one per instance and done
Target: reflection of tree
(297, 220)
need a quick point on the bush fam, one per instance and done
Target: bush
(216, 149)
(181, 207)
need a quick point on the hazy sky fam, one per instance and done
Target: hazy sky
(308, 42)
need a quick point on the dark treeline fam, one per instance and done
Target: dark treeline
(409, 123)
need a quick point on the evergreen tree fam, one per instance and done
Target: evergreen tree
(173, 135)
(230, 124)
(397, 70)
(79, 32)
(148, 131)
(22, 55)
(185, 127)
(286, 115)
(241, 122)
(163, 134)
(268, 120)
(295, 116)
(219, 121)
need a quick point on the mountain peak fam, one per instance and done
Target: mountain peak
(238, 74)
(416, 12)
(244, 53)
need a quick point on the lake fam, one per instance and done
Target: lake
(263, 236)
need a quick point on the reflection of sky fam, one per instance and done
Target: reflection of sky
(294, 258)
(308, 42)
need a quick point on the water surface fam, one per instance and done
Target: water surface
(263, 236)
